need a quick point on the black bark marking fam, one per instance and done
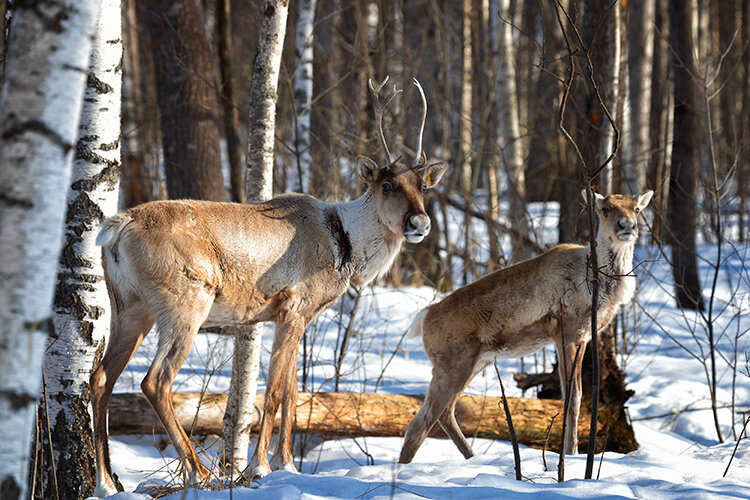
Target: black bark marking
(37, 127)
(10, 489)
(99, 86)
(341, 237)
(10, 201)
(18, 399)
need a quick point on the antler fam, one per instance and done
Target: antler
(379, 107)
(419, 153)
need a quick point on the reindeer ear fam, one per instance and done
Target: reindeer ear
(367, 170)
(644, 199)
(433, 173)
(597, 197)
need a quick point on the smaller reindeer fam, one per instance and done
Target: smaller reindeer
(520, 309)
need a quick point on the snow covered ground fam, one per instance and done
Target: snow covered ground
(666, 359)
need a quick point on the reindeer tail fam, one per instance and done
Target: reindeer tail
(112, 229)
(415, 330)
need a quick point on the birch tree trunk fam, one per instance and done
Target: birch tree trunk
(509, 134)
(80, 313)
(464, 134)
(609, 66)
(303, 89)
(40, 105)
(258, 187)
(636, 149)
(595, 134)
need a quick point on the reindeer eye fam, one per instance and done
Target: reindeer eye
(637, 211)
(387, 188)
(605, 210)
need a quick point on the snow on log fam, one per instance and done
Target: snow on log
(384, 415)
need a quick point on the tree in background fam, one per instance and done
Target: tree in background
(187, 100)
(636, 131)
(685, 158)
(47, 56)
(303, 90)
(228, 100)
(259, 187)
(81, 307)
(509, 131)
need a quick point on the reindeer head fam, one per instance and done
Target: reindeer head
(618, 214)
(398, 188)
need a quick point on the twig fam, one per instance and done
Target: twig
(744, 427)
(606, 438)
(546, 440)
(49, 436)
(511, 430)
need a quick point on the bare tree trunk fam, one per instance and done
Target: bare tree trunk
(230, 112)
(187, 101)
(743, 163)
(609, 66)
(40, 107)
(636, 140)
(303, 90)
(81, 313)
(488, 112)
(464, 134)
(509, 131)
(3, 12)
(258, 187)
(601, 36)
(685, 159)
(661, 119)
(136, 182)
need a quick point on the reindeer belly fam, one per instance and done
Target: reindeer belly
(518, 343)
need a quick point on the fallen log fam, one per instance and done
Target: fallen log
(356, 415)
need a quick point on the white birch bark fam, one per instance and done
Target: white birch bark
(258, 187)
(610, 94)
(464, 133)
(509, 135)
(81, 310)
(303, 89)
(40, 104)
(636, 146)
(263, 96)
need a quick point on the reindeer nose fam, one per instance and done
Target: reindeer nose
(624, 223)
(418, 224)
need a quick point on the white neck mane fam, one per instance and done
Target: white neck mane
(616, 264)
(374, 246)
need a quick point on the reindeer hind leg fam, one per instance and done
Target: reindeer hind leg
(177, 328)
(128, 329)
(446, 386)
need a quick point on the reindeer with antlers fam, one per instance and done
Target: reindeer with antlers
(182, 264)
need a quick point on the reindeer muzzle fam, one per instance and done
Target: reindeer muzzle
(626, 229)
(416, 228)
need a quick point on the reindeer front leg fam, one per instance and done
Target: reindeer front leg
(282, 368)
(282, 457)
(570, 359)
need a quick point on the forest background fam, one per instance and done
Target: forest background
(528, 103)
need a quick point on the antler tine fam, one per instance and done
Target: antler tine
(419, 153)
(379, 107)
(380, 85)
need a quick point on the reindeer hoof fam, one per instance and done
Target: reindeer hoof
(258, 472)
(281, 465)
(103, 489)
